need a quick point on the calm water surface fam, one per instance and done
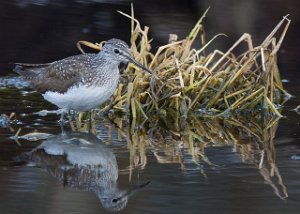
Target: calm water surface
(188, 175)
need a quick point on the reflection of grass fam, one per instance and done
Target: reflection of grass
(187, 79)
(183, 142)
(174, 140)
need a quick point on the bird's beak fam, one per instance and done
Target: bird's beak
(138, 64)
(135, 189)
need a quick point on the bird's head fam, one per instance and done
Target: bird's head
(119, 51)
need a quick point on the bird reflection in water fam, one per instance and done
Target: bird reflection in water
(81, 160)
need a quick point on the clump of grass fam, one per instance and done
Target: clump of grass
(187, 80)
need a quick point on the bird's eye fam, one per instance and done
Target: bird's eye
(116, 51)
(115, 200)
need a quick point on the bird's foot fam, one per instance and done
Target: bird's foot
(62, 121)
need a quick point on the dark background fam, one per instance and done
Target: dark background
(39, 31)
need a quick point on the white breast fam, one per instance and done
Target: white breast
(82, 98)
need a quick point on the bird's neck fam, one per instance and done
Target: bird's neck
(105, 71)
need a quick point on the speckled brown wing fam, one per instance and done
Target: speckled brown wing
(57, 76)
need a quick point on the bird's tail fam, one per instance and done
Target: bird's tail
(28, 70)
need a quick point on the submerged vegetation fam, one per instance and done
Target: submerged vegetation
(185, 79)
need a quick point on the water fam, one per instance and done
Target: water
(185, 176)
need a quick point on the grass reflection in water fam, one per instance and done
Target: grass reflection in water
(183, 141)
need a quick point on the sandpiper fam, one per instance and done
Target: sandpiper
(81, 82)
